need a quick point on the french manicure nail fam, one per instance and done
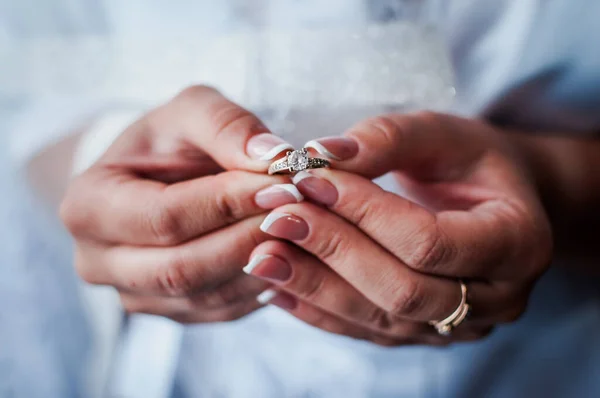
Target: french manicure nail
(280, 299)
(266, 296)
(316, 188)
(285, 226)
(278, 195)
(335, 148)
(266, 146)
(269, 267)
(254, 261)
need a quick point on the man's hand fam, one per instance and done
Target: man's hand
(381, 265)
(157, 218)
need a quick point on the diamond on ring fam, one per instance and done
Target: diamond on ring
(295, 161)
(298, 160)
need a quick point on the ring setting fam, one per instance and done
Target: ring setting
(295, 161)
(447, 325)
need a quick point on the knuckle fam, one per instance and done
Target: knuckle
(409, 300)
(384, 127)
(318, 319)
(227, 206)
(226, 295)
(84, 268)
(365, 212)
(312, 290)
(379, 318)
(334, 248)
(430, 249)
(85, 272)
(164, 225)
(174, 278)
(225, 114)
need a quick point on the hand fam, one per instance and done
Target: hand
(381, 265)
(157, 218)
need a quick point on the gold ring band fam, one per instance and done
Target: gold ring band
(445, 326)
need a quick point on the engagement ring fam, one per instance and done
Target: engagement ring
(295, 161)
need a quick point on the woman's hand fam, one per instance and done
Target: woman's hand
(157, 218)
(473, 214)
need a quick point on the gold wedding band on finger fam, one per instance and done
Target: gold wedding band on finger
(447, 325)
(295, 161)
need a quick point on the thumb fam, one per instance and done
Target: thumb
(426, 146)
(200, 122)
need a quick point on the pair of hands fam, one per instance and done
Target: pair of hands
(175, 210)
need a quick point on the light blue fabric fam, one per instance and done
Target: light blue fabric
(547, 76)
(44, 337)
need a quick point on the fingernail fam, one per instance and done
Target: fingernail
(266, 146)
(266, 296)
(285, 226)
(316, 188)
(269, 267)
(285, 301)
(335, 148)
(278, 195)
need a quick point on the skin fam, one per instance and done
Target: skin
(168, 217)
(478, 219)
(157, 218)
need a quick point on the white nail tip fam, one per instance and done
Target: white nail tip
(275, 151)
(300, 176)
(254, 261)
(266, 296)
(317, 146)
(291, 188)
(271, 218)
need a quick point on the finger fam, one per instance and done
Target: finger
(302, 275)
(115, 200)
(495, 240)
(323, 320)
(367, 266)
(241, 288)
(421, 334)
(307, 278)
(126, 209)
(185, 312)
(200, 120)
(425, 145)
(372, 270)
(198, 265)
(168, 168)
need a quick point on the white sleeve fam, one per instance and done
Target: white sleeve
(53, 140)
(42, 139)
